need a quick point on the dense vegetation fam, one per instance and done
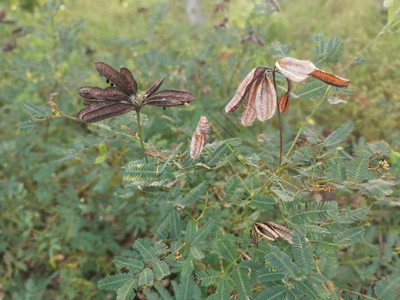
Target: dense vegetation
(86, 214)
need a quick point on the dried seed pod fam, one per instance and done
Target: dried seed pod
(124, 82)
(299, 70)
(121, 99)
(284, 103)
(154, 88)
(295, 69)
(271, 231)
(266, 99)
(130, 84)
(199, 138)
(330, 78)
(100, 110)
(249, 113)
(110, 93)
(169, 98)
(244, 88)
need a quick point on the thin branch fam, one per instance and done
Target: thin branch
(139, 131)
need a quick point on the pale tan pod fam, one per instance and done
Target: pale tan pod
(265, 231)
(203, 125)
(295, 69)
(199, 138)
(196, 145)
(271, 231)
(266, 103)
(249, 113)
(283, 232)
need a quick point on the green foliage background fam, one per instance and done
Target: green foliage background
(70, 214)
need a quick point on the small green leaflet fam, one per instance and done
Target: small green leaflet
(127, 291)
(37, 112)
(160, 269)
(338, 135)
(193, 237)
(113, 282)
(134, 266)
(175, 224)
(348, 237)
(146, 277)
(242, 283)
(283, 263)
(301, 252)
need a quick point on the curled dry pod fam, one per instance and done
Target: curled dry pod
(154, 87)
(199, 138)
(284, 102)
(330, 78)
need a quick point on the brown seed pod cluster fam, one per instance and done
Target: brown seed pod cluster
(260, 91)
(120, 97)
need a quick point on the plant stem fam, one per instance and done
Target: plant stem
(317, 106)
(279, 124)
(139, 130)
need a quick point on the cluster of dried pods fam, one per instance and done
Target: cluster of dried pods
(121, 98)
(259, 89)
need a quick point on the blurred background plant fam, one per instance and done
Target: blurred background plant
(64, 210)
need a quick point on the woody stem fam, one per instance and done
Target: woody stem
(279, 124)
(139, 130)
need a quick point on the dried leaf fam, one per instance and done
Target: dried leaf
(243, 88)
(249, 113)
(154, 88)
(266, 99)
(110, 93)
(100, 110)
(130, 82)
(330, 78)
(169, 98)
